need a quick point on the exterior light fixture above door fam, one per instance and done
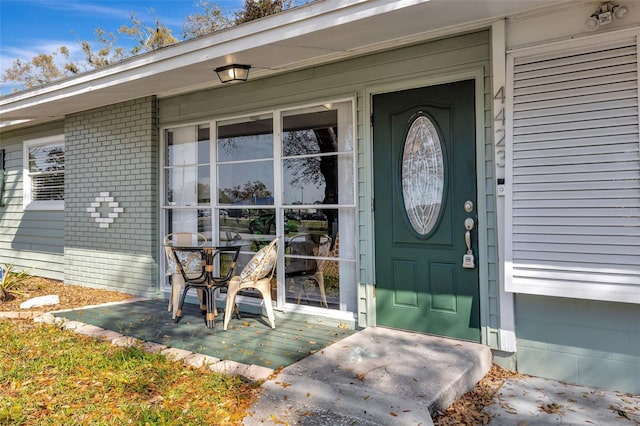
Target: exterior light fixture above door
(605, 15)
(233, 72)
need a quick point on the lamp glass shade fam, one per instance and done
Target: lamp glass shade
(620, 11)
(233, 72)
(592, 23)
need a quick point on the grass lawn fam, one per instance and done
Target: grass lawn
(52, 376)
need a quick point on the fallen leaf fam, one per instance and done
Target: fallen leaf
(551, 408)
(393, 414)
(619, 412)
(469, 409)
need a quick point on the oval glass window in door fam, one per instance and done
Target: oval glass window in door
(422, 175)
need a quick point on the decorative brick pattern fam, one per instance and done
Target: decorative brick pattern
(113, 213)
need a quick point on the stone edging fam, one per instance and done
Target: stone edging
(251, 372)
(35, 314)
(21, 314)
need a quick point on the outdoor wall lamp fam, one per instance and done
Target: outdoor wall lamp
(605, 15)
(233, 72)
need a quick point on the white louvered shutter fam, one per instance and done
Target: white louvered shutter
(575, 174)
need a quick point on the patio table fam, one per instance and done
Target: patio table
(207, 280)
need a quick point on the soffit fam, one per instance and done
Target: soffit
(319, 33)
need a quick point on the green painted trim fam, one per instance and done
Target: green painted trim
(483, 243)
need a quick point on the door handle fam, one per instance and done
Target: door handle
(468, 261)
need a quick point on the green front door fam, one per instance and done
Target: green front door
(425, 191)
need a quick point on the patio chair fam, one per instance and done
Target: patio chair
(256, 274)
(327, 268)
(191, 264)
(302, 272)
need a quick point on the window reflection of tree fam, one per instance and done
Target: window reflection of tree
(315, 170)
(48, 160)
(228, 146)
(203, 193)
(248, 191)
(310, 138)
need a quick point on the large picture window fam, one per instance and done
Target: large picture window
(287, 173)
(44, 173)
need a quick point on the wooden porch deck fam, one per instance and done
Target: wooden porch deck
(249, 340)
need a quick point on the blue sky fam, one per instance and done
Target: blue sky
(30, 27)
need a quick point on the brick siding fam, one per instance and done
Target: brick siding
(113, 149)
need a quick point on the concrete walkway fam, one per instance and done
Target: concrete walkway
(388, 377)
(533, 401)
(374, 377)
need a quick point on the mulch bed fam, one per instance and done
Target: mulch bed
(468, 410)
(70, 296)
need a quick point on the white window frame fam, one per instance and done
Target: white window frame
(604, 291)
(27, 201)
(343, 313)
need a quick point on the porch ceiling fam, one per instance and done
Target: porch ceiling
(320, 32)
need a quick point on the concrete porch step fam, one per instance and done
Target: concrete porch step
(376, 376)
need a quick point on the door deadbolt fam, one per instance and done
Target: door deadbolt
(468, 206)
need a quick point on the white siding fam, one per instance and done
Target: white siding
(574, 173)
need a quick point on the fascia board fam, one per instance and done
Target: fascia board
(276, 28)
